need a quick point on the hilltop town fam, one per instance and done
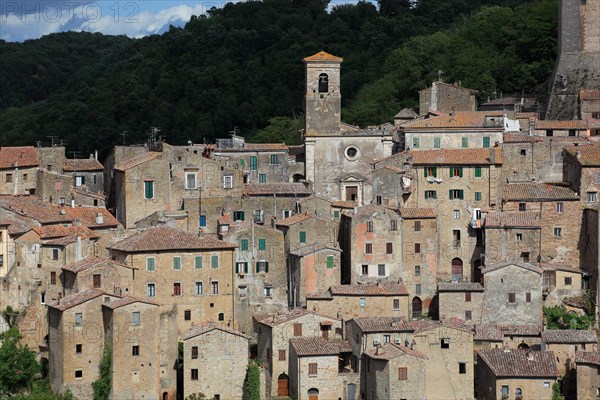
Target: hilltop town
(452, 253)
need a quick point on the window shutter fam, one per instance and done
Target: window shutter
(198, 262)
(214, 261)
(461, 194)
(477, 172)
(302, 237)
(244, 244)
(237, 268)
(425, 172)
(246, 267)
(435, 172)
(486, 141)
(450, 194)
(451, 172)
(460, 172)
(266, 266)
(257, 267)
(329, 261)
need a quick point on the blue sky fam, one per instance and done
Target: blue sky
(30, 19)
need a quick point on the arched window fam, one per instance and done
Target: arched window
(457, 270)
(313, 394)
(323, 83)
(417, 307)
(221, 317)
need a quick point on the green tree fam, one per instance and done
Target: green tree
(18, 366)
(280, 130)
(103, 386)
(253, 382)
(556, 391)
(557, 317)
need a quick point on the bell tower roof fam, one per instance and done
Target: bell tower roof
(323, 56)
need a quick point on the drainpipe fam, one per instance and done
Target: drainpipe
(16, 179)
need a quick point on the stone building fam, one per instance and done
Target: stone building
(186, 274)
(460, 300)
(215, 360)
(395, 371)
(588, 374)
(572, 128)
(561, 282)
(18, 167)
(301, 230)
(512, 236)
(96, 273)
(386, 299)
(589, 100)
(337, 155)
(582, 171)
(76, 341)
(513, 294)
(390, 185)
(565, 344)
(144, 348)
(515, 374)
(274, 334)
(447, 97)
(87, 174)
(321, 368)
(508, 336)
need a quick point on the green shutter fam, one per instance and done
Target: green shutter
(460, 172)
(149, 189)
(257, 268)
(425, 172)
(198, 262)
(246, 267)
(436, 142)
(451, 194)
(451, 172)
(302, 237)
(242, 163)
(461, 194)
(477, 196)
(262, 244)
(95, 179)
(262, 178)
(465, 142)
(244, 244)
(477, 172)
(176, 262)
(253, 163)
(435, 172)
(329, 261)
(336, 214)
(237, 268)
(267, 266)
(486, 141)
(214, 261)
(150, 263)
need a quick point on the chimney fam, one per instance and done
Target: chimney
(78, 250)
(72, 203)
(578, 154)
(99, 219)
(377, 349)
(529, 356)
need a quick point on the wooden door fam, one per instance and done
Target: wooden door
(283, 386)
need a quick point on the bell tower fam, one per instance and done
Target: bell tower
(322, 100)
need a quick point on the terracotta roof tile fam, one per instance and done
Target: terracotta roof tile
(555, 124)
(77, 298)
(488, 333)
(323, 56)
(521, 330)
(318, 296)
(537, 192)
(317, 346)
(265, 146)
(370, 289)
(267, 189)
(225, 220)
(125, 301)
(294, 219)
(589, 94)
(343, 204)
(460, 119)
(11, 157)
(586, 155)
(483, 156)
(550, 266)
(389, 351)
(412, 213)
(513, 219)
(569, 336)
(383, 324)
(89, 263)
(166, 238)
(84, 192)
(407, 113)
(58, 231)
(527, 266)
(34, 208)
(313, 248)
(587, 357)
(209, 326)
(137, 160)
(15, 227)
(282, 318)
(460, 287)
(82, 164)
(520, 363)
(87, 216)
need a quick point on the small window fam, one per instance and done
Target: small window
(238, 216)
(194, 375)
(468, 315)
(241, 267)
(462, 368)
(151, 290)
(78, 348)
(297, 329)
(135, 318)
(378, 199)
(416, 143)
(528, 297)
(369, 226)
(312, 369)
(430, 194)
(362, 302)
(559, 207)
(96, 280)
(262, 244)
(568, 281)
(417, 270)
(417, 226)
(389, 248)
(262, 266)
(214, 261)
(468, 296)
(177, 263)
(302, 237)
(187, 315)
(177, 289)
(78, 374)
(456, 194)
(522, 206)
(198, 289)
(214, 287)
(417, 248)
(386, 338)
(418, 289)
(55, 254)
(486, 141)
(228, 182)
(437, 143)
(149, 189)
(523, 152)
(512, 297)
(477, 196)
(190, 180)
(557, 232)
(330, 262)
(465, 142)
(53, 278)
(262, 178)
(253, 163)
(135, 350)
(519, 237)
(591, 197)
(445, 343)
(456, 214)
(369, 248)
(365, 270)
(274, 159)
(525, 256)
(221, 317)
(202, 220)
(477, 172)
(198, 262)
(194, 352)
(402, 374)
(282, 355)
(393, 225)
(381, 270)
(78, 319)
(9, 178)
(268, 291)
(456, 171)
(396, 304)
(150, 264)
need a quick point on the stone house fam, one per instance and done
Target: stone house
(301, 230)
(274, 334)
(87, 174)
(18, 167)
(186, 274)
(260, 271)
(560, 218)
(565, 344)
(515, 374)
(386, 299)
(337, 155)
(589, 100)
(513, 294)
(215, 360)
(96, 273)
(395, 371)
(6, 248)
(508, 336)
(313, 268)
(588, 374)
(561, 282)
(460, 300)
(419, 266)
(582, 171)
(76, 341)
(319, 207)
(321, 368)
(142, 360)
(447, 97)
(390, 185)
(512, 236)
(547, 127)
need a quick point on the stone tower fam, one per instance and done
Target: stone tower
(323, 99)
(578, 63)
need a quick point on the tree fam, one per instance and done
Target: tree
(556, 391)
(18, 366)
(10, 316)
(253, 382)
(557, 317)
(102, 387)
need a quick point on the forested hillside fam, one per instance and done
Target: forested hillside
(241, 66)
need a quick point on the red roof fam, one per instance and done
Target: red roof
(11, 157)
(537, 192)
(369, 289)
(165, 238)
(78, 298)
(389, 351)
(513, 219)
(520, 363)
(587, 156)
(34, 208)
(323, 56)
(460, 119)
(58, 231)
(137, 160)
(294, 219)
(589, 94)
(125, 301)
(412, 213)
(587, 357)
(317, 346)
(383, 324)
(557, 124)
(88, 216)
(83, 164)
(483, 156)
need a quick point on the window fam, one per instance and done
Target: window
(221, 317)
(302, 237)
(151, 290)
(393, 225)
(262, 244)
(416, 143)
(135, 318)
(262, 178)
(386, 338)
(135, 350)
(253, 163)
(365, 269)
(504, 391)
(78, 374)
(194, 352)
(468, 296)
(417, 226)
(456, 194)
(289, 213)
(9, 178)
(281, 355)
(227, 181)
(445, 343)
(381, 270)
(559, 207)
(512, 298)
(53, 278)
(362, 302)
(456, 171)
(274, 159)
(468, 315)
(262, 266)
(238, 216)
(456, 214)
(591, 197)
(519, 237)
(430, 171)
(187, 315)
(268, 291)
(430, 194)
(297, 329)
(486, 141)
(417, 248)
(194, 376)
(330, 262)
(149, 189)
(369, 248)
(198, 289)
(150, 264)
(190, 180)
(336, 215)
(55, 254)
(198, 262)
(418, 289)
(437, 143)
(522, 206)
(312, 369)
(456, 237)
(214, 287)
(417, 270)
(96, 280)
(465, 142)
(568, 281)
(462, 368)
(396, 304)
(477, 172)
(389, 248)
(78, 319)
(241, 267)
(525, 256)
(477, 196)
(177, 263)
(402, 374)
(369, 226)
(177, 289)
(323, 83)
(549, 132)
(79, 181)
(528, 297)
(557, 232)
(214, 261)
(259, 216)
